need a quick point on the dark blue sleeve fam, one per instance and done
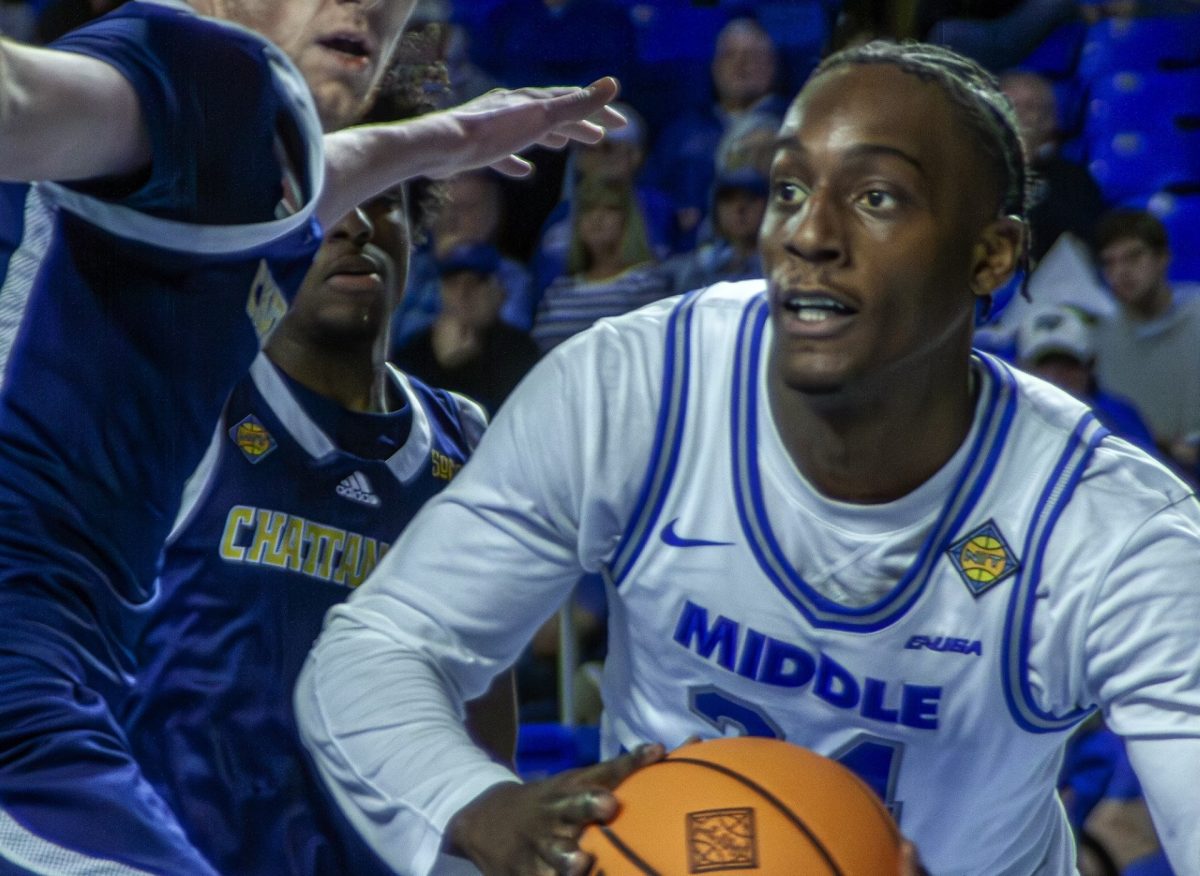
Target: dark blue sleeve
(208, 97)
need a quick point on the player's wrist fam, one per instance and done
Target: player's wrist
(466, 832)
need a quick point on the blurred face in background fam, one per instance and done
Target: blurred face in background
(743, 67)
(1036, 106)
(601, 228)
(738, 215)
(472, 299)
(1136, 273)
(471, 213)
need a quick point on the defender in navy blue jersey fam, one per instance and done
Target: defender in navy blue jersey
(180, 164)
(322, 456)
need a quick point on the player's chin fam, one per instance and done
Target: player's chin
(810, 373)
(339, 104)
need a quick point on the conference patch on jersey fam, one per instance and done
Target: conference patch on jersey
(721, 839)
(253, 439)
(983, 558)
(265, 304)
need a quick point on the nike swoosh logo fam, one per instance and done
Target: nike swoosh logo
(674, 539)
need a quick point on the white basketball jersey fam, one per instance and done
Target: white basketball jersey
(924, 692)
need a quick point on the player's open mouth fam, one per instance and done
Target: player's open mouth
(352, 49)
(816, 308)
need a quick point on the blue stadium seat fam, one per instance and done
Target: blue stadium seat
(1131, 164)
(1134, 100)
(544, 749)
(1057, 55)
(1160, 42)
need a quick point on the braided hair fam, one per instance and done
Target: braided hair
(975, 94)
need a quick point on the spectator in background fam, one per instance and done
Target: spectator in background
(744, 71)
(1063, 195)
(551, 42)
(1149, 350)
(469, 348)
(610, 266)
(618, 160)
(471, 212)
(739, 202)
(1055, 343)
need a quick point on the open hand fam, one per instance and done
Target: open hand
(498, 124)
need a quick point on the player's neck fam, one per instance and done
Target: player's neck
(357, 381)
(875, 444)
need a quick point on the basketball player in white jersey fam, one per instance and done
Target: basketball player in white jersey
(821, 516)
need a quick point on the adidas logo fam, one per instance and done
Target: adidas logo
(357, 488)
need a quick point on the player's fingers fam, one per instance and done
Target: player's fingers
(554, 140)
(584, 807)
(584, 132)
(563, 857)
(611, 773)
(512, 165)
(590, 102)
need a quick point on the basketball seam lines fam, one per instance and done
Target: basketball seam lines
(770, 798)
(628, 852)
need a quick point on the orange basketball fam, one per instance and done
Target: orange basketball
(743, 806)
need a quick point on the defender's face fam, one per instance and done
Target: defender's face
(342, 47)
(356, 278)
(868, 242)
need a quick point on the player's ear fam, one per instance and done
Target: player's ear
(997, 254)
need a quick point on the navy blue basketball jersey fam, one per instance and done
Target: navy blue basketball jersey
(135, 304)
(280, 523)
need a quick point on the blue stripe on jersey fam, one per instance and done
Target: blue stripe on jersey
(998, 403)
(1088, 433)
(668, 435)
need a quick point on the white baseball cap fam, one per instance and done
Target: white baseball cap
(1054, 329)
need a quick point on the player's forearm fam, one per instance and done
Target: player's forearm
(388, 742)
(363, 161)
(65, 116)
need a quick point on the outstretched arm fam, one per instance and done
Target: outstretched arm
(64, 116)
(486, 132)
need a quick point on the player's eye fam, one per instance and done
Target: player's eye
(878, 199)
(787, 192)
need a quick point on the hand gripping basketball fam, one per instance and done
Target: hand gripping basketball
(533, 829)
(750, 805)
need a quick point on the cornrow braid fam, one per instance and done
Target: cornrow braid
(976, 94)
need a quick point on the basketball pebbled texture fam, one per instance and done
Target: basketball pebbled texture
(745, 806)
